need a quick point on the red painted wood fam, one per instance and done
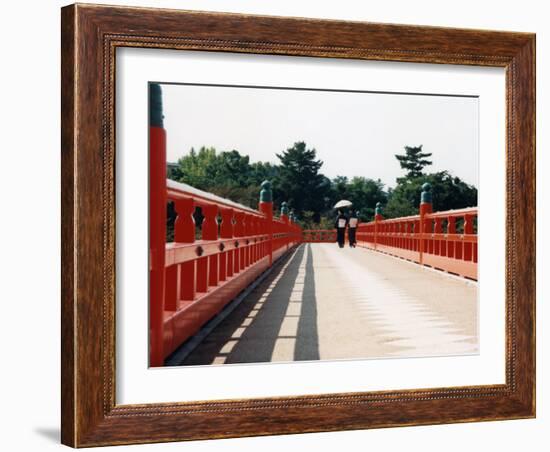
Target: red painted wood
(184, 226)
(267, 209)
(422, 239)
(210, 223)
(157, 240)
(226, 227)
(319, 235)
(184, 232)
(222, 267)
(204, 275)
(187, 281)
(171, 288)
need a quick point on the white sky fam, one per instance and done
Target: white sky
(355, 134)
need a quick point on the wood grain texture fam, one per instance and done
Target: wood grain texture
(68, 244)
(90, 36)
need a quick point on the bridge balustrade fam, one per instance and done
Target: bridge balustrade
(444, 240)
(319, 235)
(191, 280)
(202, 276)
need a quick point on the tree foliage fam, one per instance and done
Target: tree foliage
(363, 192)
(414, 161)
(228, 174)
(448, 192)
(298, 180)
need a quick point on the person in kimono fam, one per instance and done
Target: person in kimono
(353, 222)
(340, 225)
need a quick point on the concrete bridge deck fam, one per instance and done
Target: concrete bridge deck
(323, 302)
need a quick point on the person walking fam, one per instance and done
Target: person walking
(340, 225)
(353, 222)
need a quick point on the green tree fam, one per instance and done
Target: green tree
(364, 193)
(227, 174)
(340, 185)
(260, 171)
(448, 192)
(309, 221)
(414, 161)
(232, 169)
(196, 168)
(299, 182)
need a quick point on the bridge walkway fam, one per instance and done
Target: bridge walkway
(323, 302)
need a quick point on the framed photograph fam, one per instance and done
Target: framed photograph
(281, 225)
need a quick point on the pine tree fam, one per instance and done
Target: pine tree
(299, 181)
(414, 161)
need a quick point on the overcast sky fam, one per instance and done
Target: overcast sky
(355, 134)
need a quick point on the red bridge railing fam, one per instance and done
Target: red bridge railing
(443, 240)
(319, 235)
(202, 276)
(192, 279)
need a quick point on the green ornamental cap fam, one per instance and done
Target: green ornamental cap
(378, 210)
(426, 195)
(284, 208)
(291, 215)
(266, 194)
(156, 118)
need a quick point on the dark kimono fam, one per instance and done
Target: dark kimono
(353, 222)
(340, 225)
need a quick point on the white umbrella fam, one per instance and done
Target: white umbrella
(342, 203)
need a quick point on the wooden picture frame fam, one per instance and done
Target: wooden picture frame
(90, 36)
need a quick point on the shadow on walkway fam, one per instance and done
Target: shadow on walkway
(307, 336)
(276, 322)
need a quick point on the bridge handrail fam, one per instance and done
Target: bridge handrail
(429, 238)
(177, 190)
(389, 220)
(191, 280)
(441, 214)
(202, 275)
(452, 213)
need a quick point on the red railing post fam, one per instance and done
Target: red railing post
(266, 207)
(184, 232)
(184, 226)
(238, 253)
(157, 224)
(438, 229)
(210, 222)
(248, 230)
(451, 231)
(210, 232)
(425, 208)
(238, 228)
(468, 230)
(226, 232)
(257, 240)
(263, 233)
(226, 227)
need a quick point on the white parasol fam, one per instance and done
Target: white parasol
(342, 203)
